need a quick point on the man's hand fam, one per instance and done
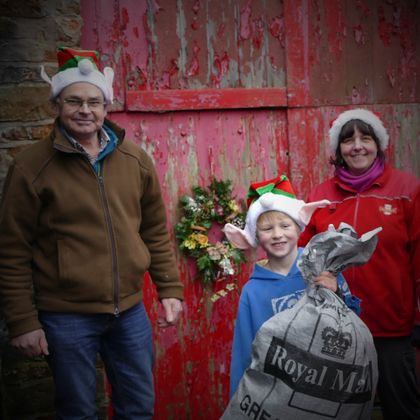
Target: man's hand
(327, 280)
(173, 309)
(31, 344)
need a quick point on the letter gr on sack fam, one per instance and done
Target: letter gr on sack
(253, 410)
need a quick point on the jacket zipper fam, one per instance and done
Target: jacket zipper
(356, 212)
(356, 216)
(99, 177)
(111, 234)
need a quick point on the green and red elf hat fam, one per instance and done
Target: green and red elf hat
(76, 66)
(274, 195)
(69, 57)
(280, 185)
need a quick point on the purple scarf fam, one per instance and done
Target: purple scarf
(364, 181)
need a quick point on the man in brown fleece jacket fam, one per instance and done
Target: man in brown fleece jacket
(81, 220)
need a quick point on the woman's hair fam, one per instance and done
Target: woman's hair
(348, 131)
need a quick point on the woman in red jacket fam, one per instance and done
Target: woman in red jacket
(366, 192)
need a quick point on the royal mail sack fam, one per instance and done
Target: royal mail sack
(316, 360)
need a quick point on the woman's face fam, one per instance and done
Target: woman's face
(359, 152)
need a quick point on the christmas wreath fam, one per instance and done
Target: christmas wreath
(202, 209)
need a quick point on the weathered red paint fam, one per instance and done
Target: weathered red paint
(362, 52)
(245, 90)
(178, 100)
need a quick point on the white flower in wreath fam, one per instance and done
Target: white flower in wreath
(191, 205)
(226, 265)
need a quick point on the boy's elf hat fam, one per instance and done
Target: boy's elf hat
(273, 195)
(79, 66)
(280, 185)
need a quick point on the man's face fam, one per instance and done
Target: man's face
(82, 110)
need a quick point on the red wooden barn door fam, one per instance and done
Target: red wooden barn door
(201, 86)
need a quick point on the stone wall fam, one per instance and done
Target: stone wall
(30, 31)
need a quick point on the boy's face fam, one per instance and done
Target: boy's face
(277, 234)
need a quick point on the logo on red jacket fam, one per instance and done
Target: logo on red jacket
(387, 209)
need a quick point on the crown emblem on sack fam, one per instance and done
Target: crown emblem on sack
(336, 343)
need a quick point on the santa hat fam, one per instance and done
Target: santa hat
(79, 66)
(358, 114)
(273, 195)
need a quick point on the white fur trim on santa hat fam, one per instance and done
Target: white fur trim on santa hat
(358, 114)
(272, 202)
(297, 210)
(85, 72)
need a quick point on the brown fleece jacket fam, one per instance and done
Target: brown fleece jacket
(75, 241)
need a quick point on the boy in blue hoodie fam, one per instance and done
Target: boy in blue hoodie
(274, 221)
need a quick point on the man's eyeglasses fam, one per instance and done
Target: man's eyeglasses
(75, 103)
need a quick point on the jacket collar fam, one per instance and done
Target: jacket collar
(61, 143)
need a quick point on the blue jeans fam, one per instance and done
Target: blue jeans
(126, 347)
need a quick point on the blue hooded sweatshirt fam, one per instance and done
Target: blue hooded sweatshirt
(265, 294)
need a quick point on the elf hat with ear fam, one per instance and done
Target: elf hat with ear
(364, 115)
(79, 66)
(273, 195)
